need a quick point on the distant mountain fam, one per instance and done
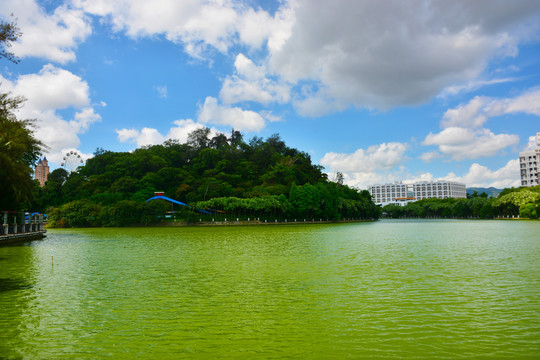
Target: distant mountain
(494, 192)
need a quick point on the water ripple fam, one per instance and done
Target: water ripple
(386, 290)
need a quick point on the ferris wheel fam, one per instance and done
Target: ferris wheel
(72, 161)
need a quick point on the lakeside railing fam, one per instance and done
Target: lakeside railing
(15, 222)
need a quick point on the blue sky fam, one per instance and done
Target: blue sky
(381, 91)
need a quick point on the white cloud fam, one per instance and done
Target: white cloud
(199, 25)
(150, 136)
(252, 84)
(389, 53)
(469, 115)
(53, 88)
(213, 113)
(125, 135)
(83, 119)
(480, 176)
(364, 167)
(532, 144)
(46, 92)
(377, 157)
(51, 36)
(374, 54)
(479, 109)
(462, 143)
(463, 136)
(528, 103)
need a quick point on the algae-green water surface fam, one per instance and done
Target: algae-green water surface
(384, 290)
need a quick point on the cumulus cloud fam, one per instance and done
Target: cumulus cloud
(462, 143)
(389, 53)
(53, 88)
(250, 83)
(463, 135)
(532, 144)
(383, 156)
(528, 103)
(481, 176)
(146, 136)
(150, 136)
(367, 166)
(375, 54)
(199, 25)
(52, 36)
(468, 115)
(211, 112)
(479, 109)
(48, 91)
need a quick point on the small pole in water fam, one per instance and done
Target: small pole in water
(52, 257)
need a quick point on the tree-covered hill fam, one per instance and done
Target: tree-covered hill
(220, 173)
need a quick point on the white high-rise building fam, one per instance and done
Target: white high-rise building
(401, 194)
(529, 162)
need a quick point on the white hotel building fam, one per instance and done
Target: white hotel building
(401, 194)
(529, 162)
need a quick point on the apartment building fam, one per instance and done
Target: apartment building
(529, 162)
(402, 194)
(441, 189)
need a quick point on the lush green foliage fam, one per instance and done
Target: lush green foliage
(522, 202)
(236, 178)
(85, 213)
(19, 149)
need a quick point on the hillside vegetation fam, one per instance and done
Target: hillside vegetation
(225, 177)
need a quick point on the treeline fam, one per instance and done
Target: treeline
(513, 202)
(227, 175)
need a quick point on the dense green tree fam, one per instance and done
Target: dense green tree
(19, 149)
(529, 211)
(199, 139)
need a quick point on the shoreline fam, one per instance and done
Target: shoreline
(253, 223)
(22, 237)
(224, 223)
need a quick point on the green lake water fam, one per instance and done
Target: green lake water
(383, 290)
